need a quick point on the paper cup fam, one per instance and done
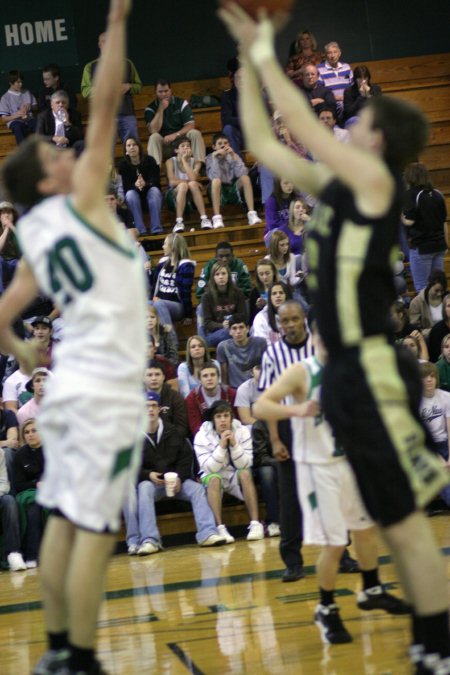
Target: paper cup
(170, 481)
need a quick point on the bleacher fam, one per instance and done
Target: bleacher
(424, 80)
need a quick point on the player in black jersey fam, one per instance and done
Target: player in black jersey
(370, 391)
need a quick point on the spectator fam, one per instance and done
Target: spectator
(295, 228)
(283, 259)
(222, 299)
(223, 448)
(9, 249)
(400, 320)
(9, 431)
(439, 330)
(51, 78)
(36, 385)
(126, 119)
(182, 175)
(141, 184)
(173, 279)
(267, 323)
(229, 113)
(115, 180)
(60, 124)
(303, 51)
(170, 371)
(265, 474)
(228, 180)
(238, 270)
(43, 332)
(163, 336)
(443, 364)
(426, 308)
(16, 107)
(328, 118)
(276, 207)
(165, 451)
(424, 214)
(169, 118)
(27, 470)
(335, 75)
(435, 409)
(9, 514)
(417, 345)
(208, 391)
(236, 353)
(197, 354)
(356, 96)
(246, 395)
(121, 212)
(15, 393)
(282, 133)
(172, 408)
(265, 275)
(315, 91)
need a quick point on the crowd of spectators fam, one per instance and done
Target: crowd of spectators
(200, 417)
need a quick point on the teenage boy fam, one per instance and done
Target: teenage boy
(229, 178)
(238, 353)
(200, 399)
(16, 107)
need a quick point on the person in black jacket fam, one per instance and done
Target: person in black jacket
(60, 124)
(27, 470)
(165, 451)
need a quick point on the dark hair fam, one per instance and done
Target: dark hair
(138, 143)
(404, 128)
(363, 72)
(181, 139)
(326, 108)
(209, 364)
(212, 287)
(154, 363)
(218, 407)
(278, 193)
(21, 172)
(216, 137)
(224, 244)
(52, 68)
(436, 277)
(111, 190)
(162, 82)
(14, 75)
(416, 176)
(238, 318)
(271, 310)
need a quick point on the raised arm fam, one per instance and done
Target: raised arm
(360, 169)
(90, 175)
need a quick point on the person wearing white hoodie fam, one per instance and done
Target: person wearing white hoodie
(223, 447)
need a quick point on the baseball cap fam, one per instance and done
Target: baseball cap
(154, 396)
(8, 206)
(40, 369)
(45, 320)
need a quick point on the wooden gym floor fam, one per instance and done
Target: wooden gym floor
(216, 611)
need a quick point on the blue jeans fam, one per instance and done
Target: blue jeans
(23, 128)
(266, 180)
(7, 270)
(267, 477)
(235, 138)
(216, 336)
(127, 126)
(153, 201)
(141, 523)
(422, 264)
(168, 311)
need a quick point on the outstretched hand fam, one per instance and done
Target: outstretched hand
(253, 36)
(119, 9)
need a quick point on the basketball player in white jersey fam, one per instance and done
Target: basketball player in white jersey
(93, 413)
(330, 500)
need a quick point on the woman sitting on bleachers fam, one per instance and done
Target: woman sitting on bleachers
(439, 330)
(165, 344)
(197, 354)
(426, 308)
(265, 275)
(276, 206)
(298, 217)
(172, 282)
(220, 301)
(266, 323)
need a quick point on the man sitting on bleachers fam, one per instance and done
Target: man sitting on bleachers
(169, 117)
(165, 451)
(16, 107)
(172, 408)
(210, 390)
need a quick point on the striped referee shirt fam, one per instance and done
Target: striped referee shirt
(280, 356)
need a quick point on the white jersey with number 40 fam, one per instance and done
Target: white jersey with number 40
(97, 285)
(313, 440)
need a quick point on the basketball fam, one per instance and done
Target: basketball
(252, 6)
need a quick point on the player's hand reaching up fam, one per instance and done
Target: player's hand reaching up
(119, 9)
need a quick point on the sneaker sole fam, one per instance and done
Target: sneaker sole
(395, 611)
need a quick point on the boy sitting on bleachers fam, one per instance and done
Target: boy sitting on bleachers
(228, 179)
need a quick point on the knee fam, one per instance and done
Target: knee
(182, 188)
(216, 183)
(131, 197)
(214, 484)
(245, 477)
(193, 186)
(146, 490)
(193, 133)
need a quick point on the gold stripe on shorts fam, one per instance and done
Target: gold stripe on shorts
(424, 470)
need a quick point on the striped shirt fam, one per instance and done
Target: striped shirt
(336, 79)
(280, 356)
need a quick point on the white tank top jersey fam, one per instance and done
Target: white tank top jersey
(313, 440)
(97, 285)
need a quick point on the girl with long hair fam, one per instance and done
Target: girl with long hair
(277, 206)
(357, 95)
(265, 275)
(220, 301)
(266, 323)
(164, 341)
